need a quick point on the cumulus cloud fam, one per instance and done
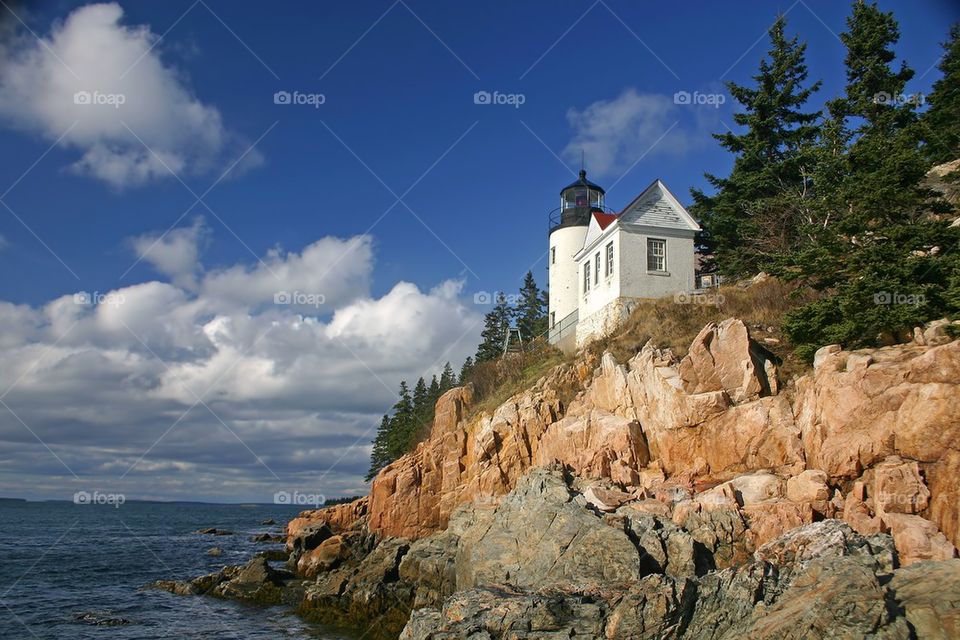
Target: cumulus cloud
(201, 386)
(100, 87)
(174, 254)
(613, 134)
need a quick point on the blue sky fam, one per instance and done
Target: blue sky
(442, 195)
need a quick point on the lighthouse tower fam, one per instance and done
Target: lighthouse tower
(568, 228)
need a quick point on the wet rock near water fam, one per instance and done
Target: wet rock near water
(100, 619)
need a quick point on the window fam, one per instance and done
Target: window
(609, 271)
(656, 254)
(553, 319)
(586, 277)
(596, 269)
(553, 255)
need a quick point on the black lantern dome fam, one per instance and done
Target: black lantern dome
(578, 200)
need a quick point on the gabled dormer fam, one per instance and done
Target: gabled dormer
(657, 207)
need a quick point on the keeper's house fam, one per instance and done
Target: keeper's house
(602, 263)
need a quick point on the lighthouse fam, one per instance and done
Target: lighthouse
(604, 264)
(568, 229)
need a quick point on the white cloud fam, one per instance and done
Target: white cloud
(102, 384)
(174, 254)
(104, 88)
(614, 134)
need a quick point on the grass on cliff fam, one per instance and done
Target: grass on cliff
(496, 381)
(669, 324)
(673, 325)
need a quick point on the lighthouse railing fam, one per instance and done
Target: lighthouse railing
(565, 328)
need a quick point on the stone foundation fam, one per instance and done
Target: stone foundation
(606, 320)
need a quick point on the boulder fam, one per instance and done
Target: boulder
(327, 555)
(338, 518)
(306, 537)
(539, 535)
(724, 358)
(929, 593)
(857, 513)
(606, 500)
(757, 487)
(898, 487)
(917, 538)
(811, 487)
(903, 403)
(773, 518)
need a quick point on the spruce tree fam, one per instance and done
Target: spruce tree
(465, 370)
(941, 122)
(874, 242)
(447, 379)
(434, 391)
(749, 221)
(402, 424)
(495, 326)
(422, 407)
(531, 312)
(380, 456)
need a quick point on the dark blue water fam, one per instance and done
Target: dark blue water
(59, 560)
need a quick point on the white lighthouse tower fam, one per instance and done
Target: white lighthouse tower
(568, 229)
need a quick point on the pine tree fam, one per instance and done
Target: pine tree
(749, 221)
(465, 370)
(495, 326)
(447, 379)
(873, 233)
(379, 456)
(941, 122)
(531, 312)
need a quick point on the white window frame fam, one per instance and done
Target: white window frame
(656, 262)
(596, 269)
(609, 251)
(586, 277)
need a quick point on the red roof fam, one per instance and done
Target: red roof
(604, 219)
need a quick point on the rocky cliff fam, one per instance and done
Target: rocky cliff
(694, 497)
(871, 437)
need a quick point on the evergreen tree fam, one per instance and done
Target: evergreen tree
(402, 424)
(749, 221)
(873, 241)
(434, 391)
(495, 326)
(380, 456)
(465, 370)
(531, 312)
(941, 122)
(447, 379)
(422, 407)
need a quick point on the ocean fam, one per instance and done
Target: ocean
(64, 567)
